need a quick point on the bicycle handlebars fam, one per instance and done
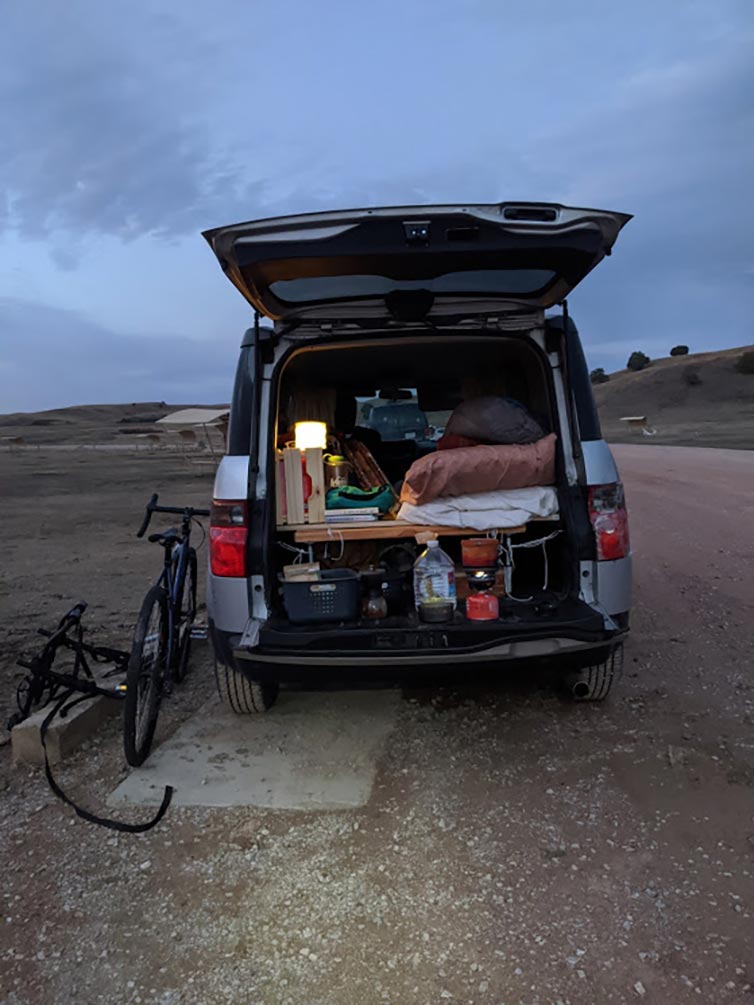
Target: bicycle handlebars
(147, 516)
(185, 511)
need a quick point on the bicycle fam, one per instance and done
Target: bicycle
(162, 637)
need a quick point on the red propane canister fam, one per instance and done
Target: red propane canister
(482, 607)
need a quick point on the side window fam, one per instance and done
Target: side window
(239, 429)
(581, 386)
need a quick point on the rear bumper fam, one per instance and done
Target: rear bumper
(428, 655)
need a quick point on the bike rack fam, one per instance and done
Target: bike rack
(43, 683)
(62, 690)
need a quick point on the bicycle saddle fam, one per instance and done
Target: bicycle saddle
(169, 536)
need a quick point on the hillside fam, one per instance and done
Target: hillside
(87, 423)
(716, 412)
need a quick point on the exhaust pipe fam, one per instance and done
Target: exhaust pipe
(578, 686)
(580, 689)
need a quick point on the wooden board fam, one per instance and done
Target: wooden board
(315, 468)
(294, 486)
(379, 530)
(280, 512)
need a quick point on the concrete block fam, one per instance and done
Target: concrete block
(63, 734)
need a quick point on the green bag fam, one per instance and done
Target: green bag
(351, 497)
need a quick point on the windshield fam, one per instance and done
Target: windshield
(402, 420)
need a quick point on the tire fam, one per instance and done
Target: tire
(595, 683)
(245, 697)
(182, 639)
(144, 679)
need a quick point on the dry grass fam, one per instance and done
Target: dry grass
(718, 411)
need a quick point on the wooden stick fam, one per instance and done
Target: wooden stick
(361, 473)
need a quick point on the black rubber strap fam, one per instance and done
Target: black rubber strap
(92, 818)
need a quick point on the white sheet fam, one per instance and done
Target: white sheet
(485, 510)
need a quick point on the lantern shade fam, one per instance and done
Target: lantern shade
(310, 434)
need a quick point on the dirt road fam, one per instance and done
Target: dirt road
(514, 850)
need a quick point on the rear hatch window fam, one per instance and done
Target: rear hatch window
(419, 260)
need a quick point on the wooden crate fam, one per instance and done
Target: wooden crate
(289, 487)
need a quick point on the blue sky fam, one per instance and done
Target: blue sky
(129, 129)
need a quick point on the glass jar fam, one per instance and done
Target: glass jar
(375, 607)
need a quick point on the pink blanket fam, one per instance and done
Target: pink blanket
(469, 470)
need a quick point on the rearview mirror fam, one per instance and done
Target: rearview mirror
(395, 394)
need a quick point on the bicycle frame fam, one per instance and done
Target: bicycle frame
(172, 577)
(175, 563)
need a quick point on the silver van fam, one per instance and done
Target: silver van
(413, 305)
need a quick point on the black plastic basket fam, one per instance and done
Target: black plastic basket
(336, 596)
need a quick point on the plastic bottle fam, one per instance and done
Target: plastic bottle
(434, 579)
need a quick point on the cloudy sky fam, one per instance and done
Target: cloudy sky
(127, 129)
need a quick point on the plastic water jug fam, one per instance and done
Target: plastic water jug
(434, 577)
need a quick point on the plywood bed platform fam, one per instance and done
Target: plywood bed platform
(377, 530)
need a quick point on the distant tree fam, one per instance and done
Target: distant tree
(638, 361)
(745, 362)
(679, 350)
(599, 376)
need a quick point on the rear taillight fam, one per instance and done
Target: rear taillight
(228, 534)
(607, 511)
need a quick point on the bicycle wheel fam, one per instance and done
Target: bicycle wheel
(146, 669)
(184, 618)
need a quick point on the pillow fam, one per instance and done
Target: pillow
(493, 419)
(469, 470)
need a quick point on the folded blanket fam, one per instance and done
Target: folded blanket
(479, 469)
(485, 510)
(451, 442)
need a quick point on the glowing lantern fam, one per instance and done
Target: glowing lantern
(310, 434)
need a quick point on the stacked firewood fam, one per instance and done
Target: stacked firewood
(366, 468)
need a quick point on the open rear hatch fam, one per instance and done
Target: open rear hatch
(414, 262)
(381, 268)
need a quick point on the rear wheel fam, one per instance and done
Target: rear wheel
(144, 679)
(595, 683)
(245, 697)
(185, 619)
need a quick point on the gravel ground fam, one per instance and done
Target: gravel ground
(516, 849)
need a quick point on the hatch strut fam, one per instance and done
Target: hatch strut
(570, 404)
(256, 506)
(255, 399)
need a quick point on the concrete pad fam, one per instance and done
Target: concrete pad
(312, 751)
